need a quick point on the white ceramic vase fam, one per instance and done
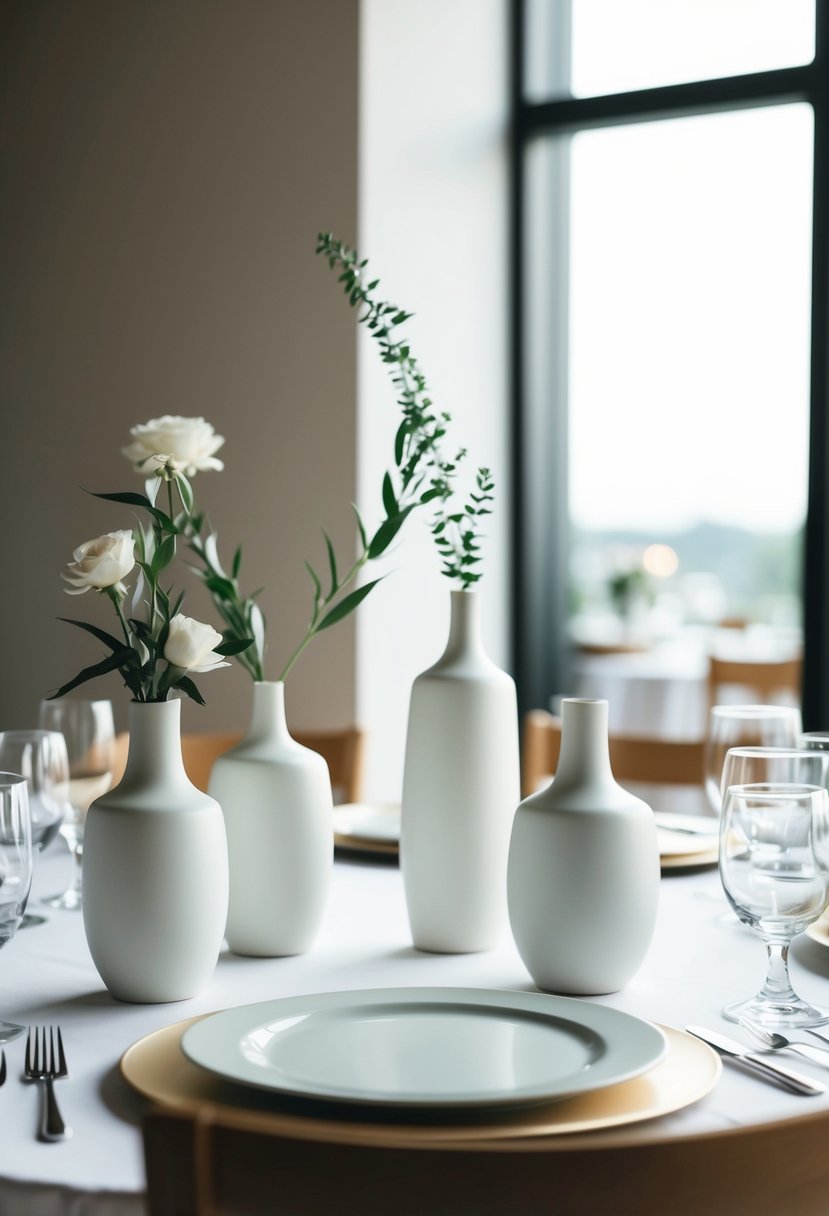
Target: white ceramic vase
(583, 879)
(460, 790)
(155, 874)
(278, 809)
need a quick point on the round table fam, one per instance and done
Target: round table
(700, 959)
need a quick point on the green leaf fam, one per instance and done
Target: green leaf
(233, 646)
(186, 492)
(386, 533)
(361, 528)
(347, 605)
(110, 663)
(163, 556)
(315, 580)
(108, 640)
(332, 563)
(187, 686)
(133, 499)
(400, 442)
(237, 563)
(389, 499)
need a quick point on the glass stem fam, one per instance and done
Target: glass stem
(77, 870)
(777, 986)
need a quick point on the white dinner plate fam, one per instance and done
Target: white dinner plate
(425, 1047)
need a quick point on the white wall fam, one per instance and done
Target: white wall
(433, 222)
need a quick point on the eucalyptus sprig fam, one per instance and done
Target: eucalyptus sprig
(421, 475)
(418, 456)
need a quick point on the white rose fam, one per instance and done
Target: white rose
(188, 443)
(100, 563)
(190, 645)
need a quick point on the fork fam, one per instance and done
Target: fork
(41, 1065)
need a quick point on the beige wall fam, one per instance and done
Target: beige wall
(165, 167)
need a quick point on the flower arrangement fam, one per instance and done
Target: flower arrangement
(158, 647)
(422, 475)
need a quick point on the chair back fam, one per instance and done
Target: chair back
(767, 680)
(632, 758)
(341, 749)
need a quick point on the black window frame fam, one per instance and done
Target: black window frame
(540, 541)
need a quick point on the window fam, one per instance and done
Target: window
(669, 336)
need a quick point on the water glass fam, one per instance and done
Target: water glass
(88, 729)
(15, 866)
(745, 726)
(41, 757)
(774, 867)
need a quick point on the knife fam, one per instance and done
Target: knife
(772, 1071)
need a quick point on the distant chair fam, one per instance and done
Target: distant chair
(767, 680)
(341, 749)
(633, 758)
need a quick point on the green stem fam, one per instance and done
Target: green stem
(312, 629)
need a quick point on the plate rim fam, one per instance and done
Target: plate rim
(241, 1019)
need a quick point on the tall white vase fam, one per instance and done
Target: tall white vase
(278, 809)
(583, 867)
(460, 790)
(154, 870)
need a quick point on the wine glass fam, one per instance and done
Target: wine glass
(40, 757)
(774, 868)
(775, 766)
(745, 726)
(88, 729)
(15, 866)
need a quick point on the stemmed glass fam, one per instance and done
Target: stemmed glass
(40, 757)
(88, 729)
(745, 726)
(774, 765)
(15, 866)
(774, 867)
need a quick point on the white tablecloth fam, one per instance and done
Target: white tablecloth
(700, 959)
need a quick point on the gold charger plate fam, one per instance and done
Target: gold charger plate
(157, 1068)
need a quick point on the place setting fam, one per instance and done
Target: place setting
(408, 1065)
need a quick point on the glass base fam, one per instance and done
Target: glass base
(71, 898)
(29, 919)
(9, 1031)
(777, 1015)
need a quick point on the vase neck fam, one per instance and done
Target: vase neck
(585, 750)
(267, 721)
(155, 740)
(464, 625)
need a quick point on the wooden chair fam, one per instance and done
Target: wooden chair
(342, 750)
(227, 1164)
(655, 761)
(766, 680)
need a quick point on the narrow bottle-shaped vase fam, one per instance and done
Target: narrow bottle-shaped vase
(460, 790)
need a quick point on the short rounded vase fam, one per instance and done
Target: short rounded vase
(583, 874)
(155, 875)
(276, 799)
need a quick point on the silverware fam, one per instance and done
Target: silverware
(779, 1042)
(43, 1066)
(738, 1051)
(687, 831)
